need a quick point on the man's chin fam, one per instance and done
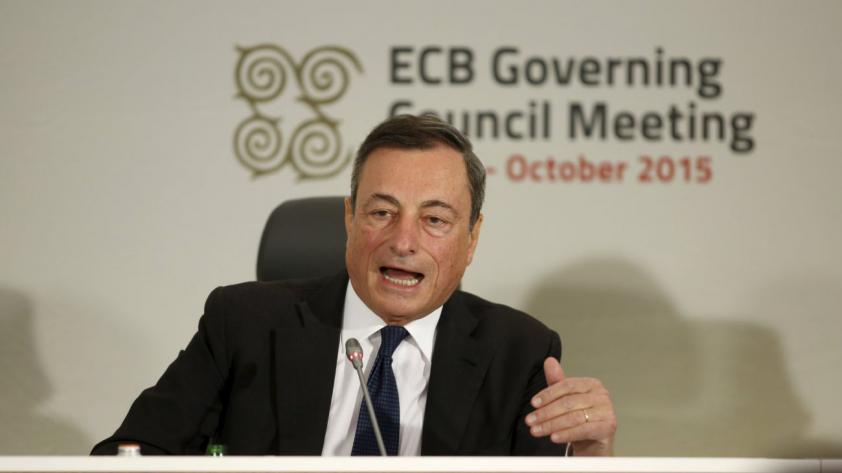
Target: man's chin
(399, 313)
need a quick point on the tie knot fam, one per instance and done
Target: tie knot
(390, 337)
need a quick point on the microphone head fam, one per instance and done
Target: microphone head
(354, 352)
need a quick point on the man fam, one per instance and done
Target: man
(266, 372)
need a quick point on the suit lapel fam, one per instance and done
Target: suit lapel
(460, 361)
(305, 370)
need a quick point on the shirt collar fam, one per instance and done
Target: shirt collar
(360, 322)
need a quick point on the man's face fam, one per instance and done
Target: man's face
(408, 238)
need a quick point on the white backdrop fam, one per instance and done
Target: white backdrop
(711, 310)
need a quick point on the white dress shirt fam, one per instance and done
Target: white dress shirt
(411, 363)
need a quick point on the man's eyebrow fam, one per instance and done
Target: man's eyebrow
(387, 197)
(438, 203)
(425, 205)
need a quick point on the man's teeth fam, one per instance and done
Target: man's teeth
(402, 282)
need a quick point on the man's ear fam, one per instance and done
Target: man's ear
(474, 236)
(349, 217)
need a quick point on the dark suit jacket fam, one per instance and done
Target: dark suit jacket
(258, 377)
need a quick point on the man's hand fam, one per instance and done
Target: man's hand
(574, 410)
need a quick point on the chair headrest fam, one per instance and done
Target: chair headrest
(303, 238)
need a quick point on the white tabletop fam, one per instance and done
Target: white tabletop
(416, 464)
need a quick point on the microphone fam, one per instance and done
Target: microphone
(354, 352)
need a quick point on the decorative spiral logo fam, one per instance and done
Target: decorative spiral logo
(313, 148)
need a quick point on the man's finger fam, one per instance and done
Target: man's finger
(562, 422)
(564, 405)
(553, 371)
(595, 431)
(565, 387)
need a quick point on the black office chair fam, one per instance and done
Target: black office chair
(303, 238)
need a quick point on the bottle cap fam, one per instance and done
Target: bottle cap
(128, 450)
(216, 450)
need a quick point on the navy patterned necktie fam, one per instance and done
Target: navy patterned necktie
(384, 396)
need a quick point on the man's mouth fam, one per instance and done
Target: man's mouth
(401, 277)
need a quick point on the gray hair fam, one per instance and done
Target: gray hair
(423, 132)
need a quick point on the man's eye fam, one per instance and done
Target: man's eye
(435, 221)
(380, 214)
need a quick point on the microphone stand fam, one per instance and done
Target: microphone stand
(355, 354)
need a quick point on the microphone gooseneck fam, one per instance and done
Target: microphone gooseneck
(354, 352)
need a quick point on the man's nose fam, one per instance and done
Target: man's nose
(405, 237)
